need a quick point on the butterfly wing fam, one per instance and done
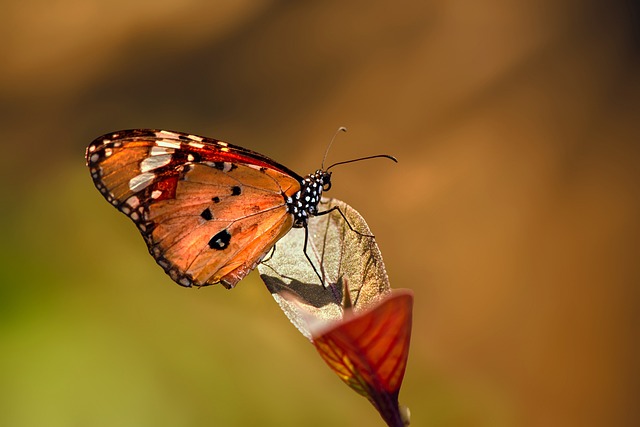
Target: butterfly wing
(208, 210)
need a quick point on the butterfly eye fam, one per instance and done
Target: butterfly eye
(326, 181)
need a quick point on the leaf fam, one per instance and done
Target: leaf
(339, 254)
(369, 352)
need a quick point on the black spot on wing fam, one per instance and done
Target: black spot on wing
(220, 241)
(225, 166)
(206, 214)
(235, 190)
(215, 199)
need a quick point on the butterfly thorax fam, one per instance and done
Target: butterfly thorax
(304, 203)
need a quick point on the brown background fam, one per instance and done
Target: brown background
(513, 213)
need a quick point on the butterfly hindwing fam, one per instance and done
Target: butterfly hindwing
(208, 210)
(210, 227)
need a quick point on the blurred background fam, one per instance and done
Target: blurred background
(513, 213)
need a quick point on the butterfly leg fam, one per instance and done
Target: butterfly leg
(337, 208)
(304, 249)
(270, 254)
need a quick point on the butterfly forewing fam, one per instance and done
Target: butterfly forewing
(208, 211)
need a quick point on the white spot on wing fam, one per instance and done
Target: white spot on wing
(94, 158)
(159, 151)
(108, 152)
(222, 143)
(168, 143)
(133, 201)
(156, 193)
(155, 162)
(196, 145)
(194, 137)
(142, 181)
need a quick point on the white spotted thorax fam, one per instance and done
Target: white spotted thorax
(304, 203)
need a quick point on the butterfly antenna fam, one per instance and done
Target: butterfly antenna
(385, 156)
(340, 129)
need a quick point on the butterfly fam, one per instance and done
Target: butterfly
(209, 211)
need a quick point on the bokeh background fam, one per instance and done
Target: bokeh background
(513, 213)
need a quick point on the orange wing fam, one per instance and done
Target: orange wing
(209, 211)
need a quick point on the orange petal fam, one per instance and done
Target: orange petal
(369, 350)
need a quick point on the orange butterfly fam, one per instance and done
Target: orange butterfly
(209, 211)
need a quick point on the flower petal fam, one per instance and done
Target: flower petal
(369, 351)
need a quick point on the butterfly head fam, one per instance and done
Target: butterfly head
(323, 178)
(318, 182)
